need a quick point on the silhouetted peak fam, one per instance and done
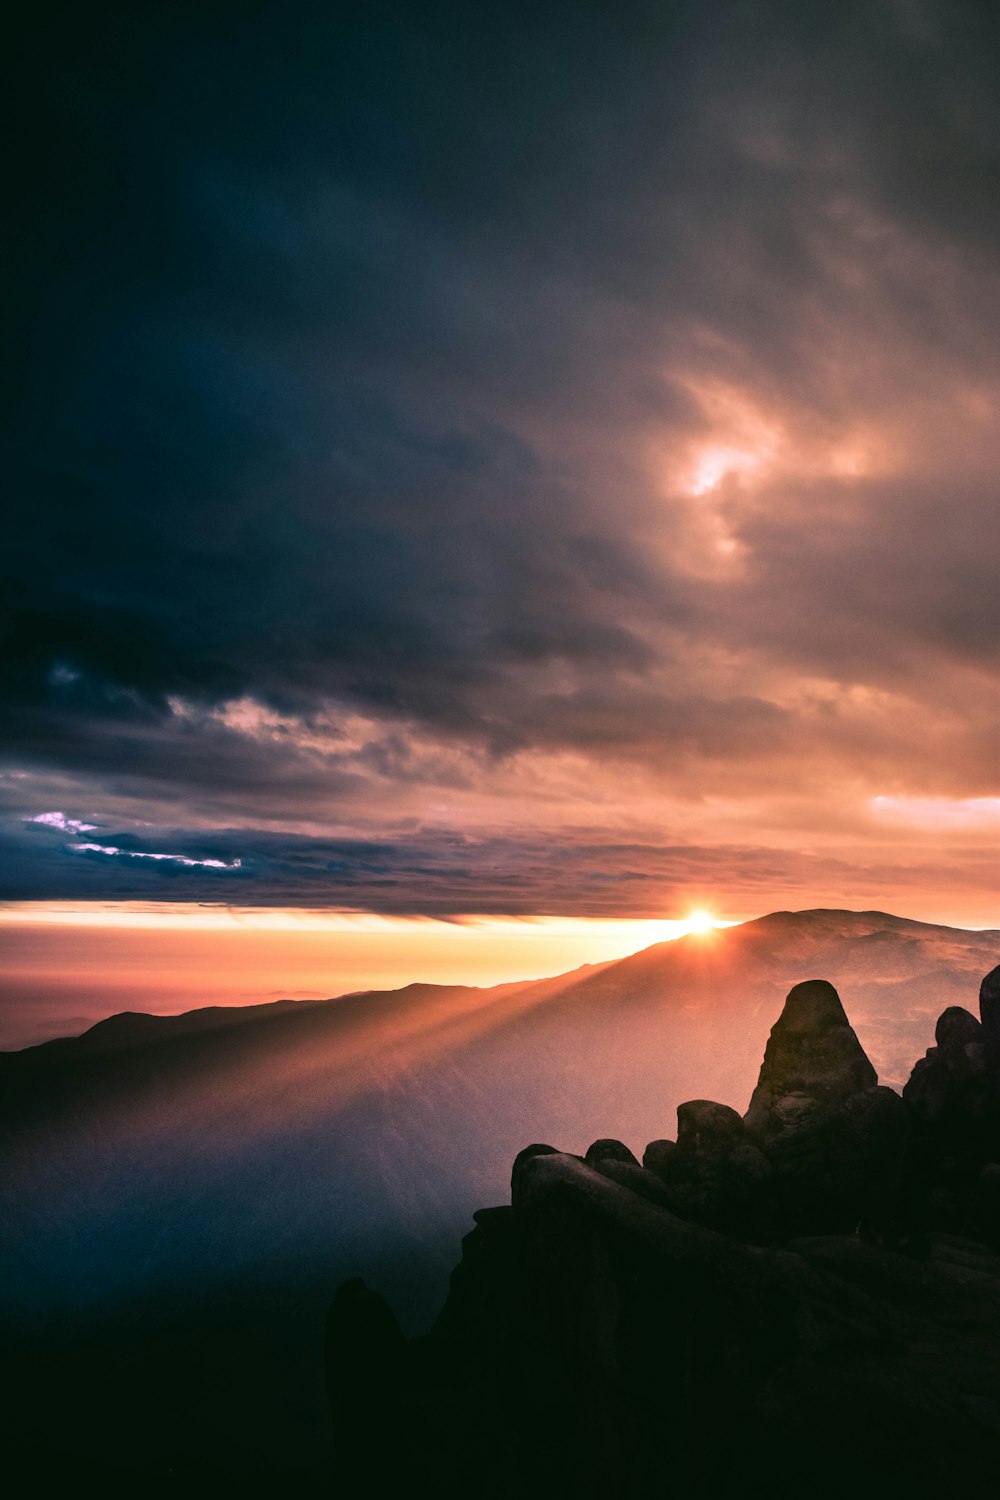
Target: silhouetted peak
(124, 1020)
(812, 1006)
(832, 922)
(813, 1062)
(127, 1028)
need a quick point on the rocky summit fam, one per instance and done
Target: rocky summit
(802, 1301)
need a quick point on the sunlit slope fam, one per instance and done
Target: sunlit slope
(156, 1168)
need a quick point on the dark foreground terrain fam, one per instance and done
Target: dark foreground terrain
(801, 1301)
(181, 1195)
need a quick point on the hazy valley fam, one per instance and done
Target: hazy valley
(184, 1193)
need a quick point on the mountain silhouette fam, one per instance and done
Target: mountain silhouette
(183, 1193)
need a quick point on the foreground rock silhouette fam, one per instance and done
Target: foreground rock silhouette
(805, 1301)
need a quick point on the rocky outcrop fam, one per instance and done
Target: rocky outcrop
(615, 1161)
(953, 1095)
(813, 1064)
(714, 1172)
(989, 1011)
(811, 1052)
(949, 1081)
(835, 1140)
(623, 1330)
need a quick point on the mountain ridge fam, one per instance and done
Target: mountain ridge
(255, 1162)
(225, 1016)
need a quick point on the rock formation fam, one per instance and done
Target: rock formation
(715, 1173)
(804, 1300)
(989, 1011)
(954, 1098)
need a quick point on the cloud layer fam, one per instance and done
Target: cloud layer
(558, 429)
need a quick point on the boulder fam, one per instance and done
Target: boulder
(702, 1124)
(657, 1156)
(956, 1029)
(608, 1149)
(522, 1157)
(714, 1172)
(639, 1180)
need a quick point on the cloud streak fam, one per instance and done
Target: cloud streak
(442, 873)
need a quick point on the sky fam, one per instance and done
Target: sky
(504, 460)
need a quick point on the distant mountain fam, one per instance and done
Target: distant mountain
(181, 1194)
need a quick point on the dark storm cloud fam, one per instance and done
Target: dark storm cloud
(255, 469)
(912, 577)
(346, 332)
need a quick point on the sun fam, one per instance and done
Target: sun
(701, 922)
